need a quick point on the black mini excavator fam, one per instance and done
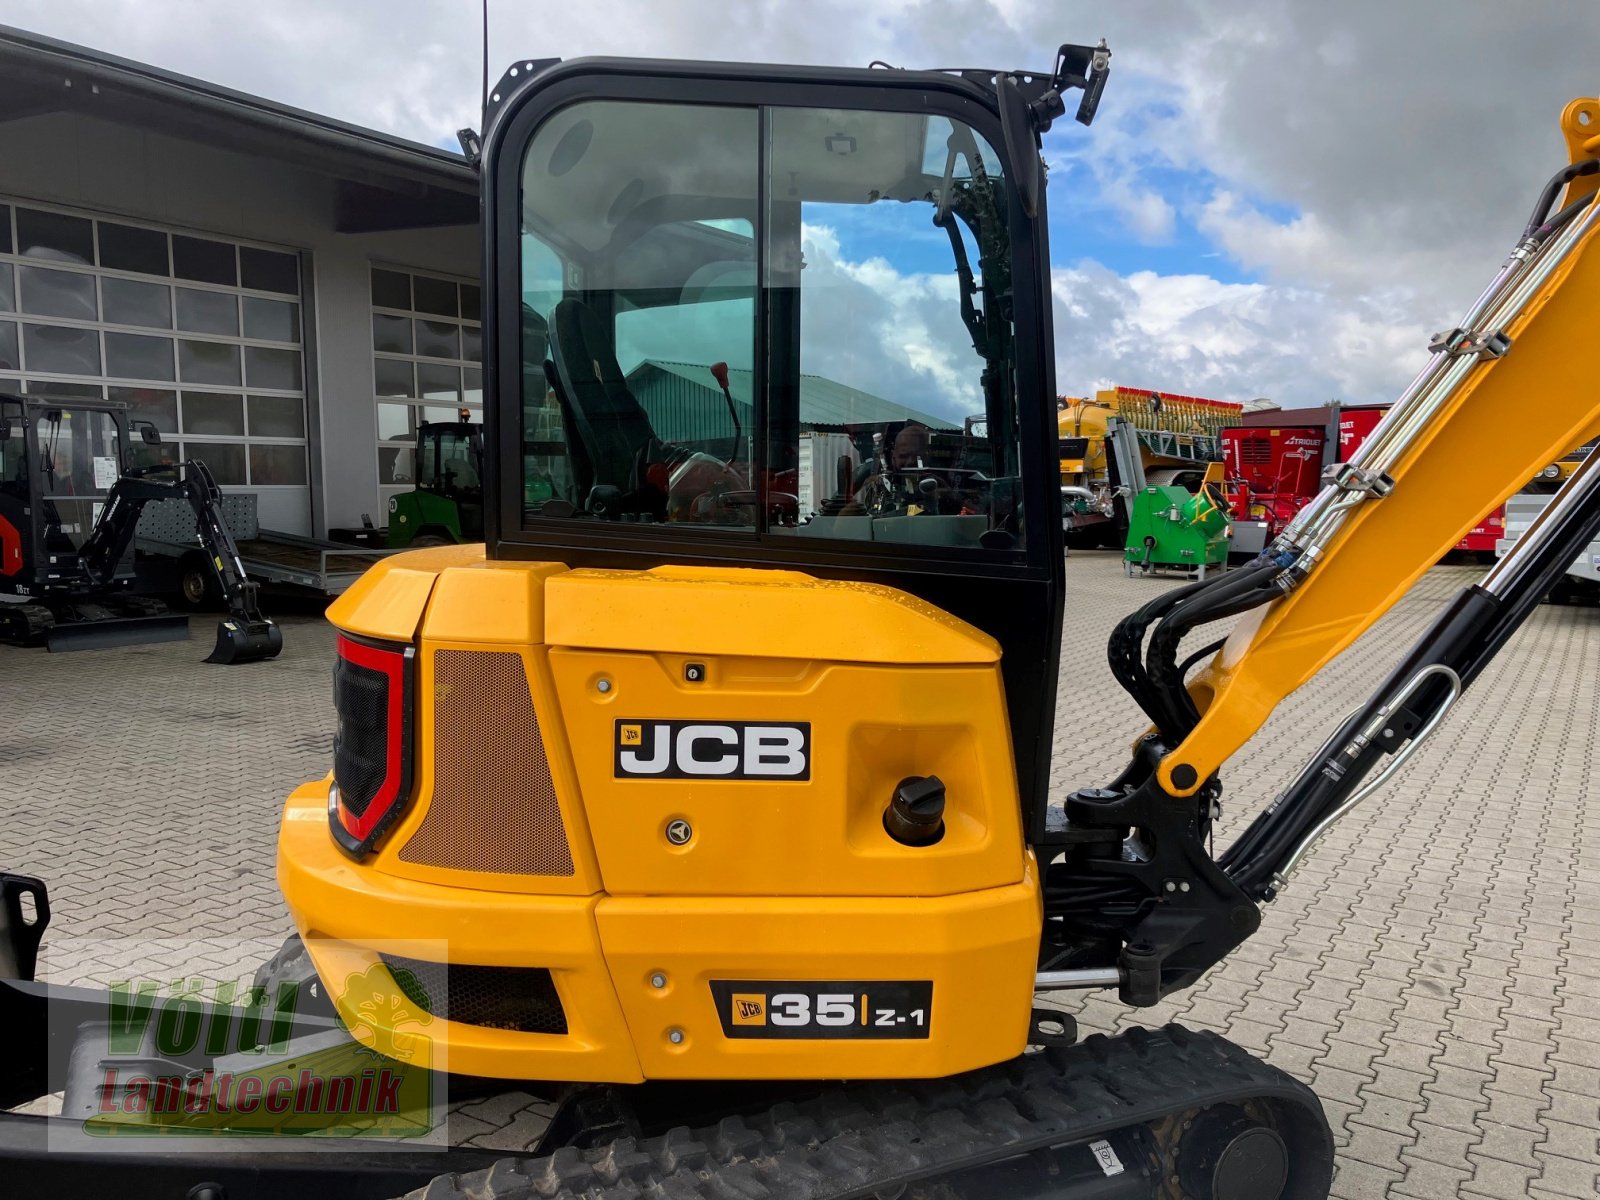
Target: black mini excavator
(70, 499)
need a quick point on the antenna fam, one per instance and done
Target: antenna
(483, 96)
(472, 139)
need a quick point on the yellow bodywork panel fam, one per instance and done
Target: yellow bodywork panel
(870, 727)
(388, 600)
(1510, 417)
(979, 949)
(523, 845)
(347, 912)
(755, 613)
(490, 602)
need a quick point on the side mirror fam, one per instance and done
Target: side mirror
(1022, 143)
(148, 433)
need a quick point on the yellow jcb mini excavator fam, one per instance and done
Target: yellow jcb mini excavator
(695, 777)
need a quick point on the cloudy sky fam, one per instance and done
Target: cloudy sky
(1280, 197)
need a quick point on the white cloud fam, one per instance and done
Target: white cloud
(1194, 334)
(895, 334)
(1407, 140)
(1148, 216)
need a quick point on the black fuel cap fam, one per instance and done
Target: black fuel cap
(915, 816)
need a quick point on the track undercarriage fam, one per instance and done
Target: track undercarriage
(93, 622)
(1168, 1113)
(1090, 1120)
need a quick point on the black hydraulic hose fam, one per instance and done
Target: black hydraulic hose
(1547, 197)
(1174, 714)
(1565, 216)
(1205, 651)
(1339, 768)
(1168, 677)
(1125, 650)
(1321, 787)
(1235, 593)
(1308, 797)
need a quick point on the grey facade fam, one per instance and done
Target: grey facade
(233, 188)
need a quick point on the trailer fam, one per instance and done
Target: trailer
(170, 558)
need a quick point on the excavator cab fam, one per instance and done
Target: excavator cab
(768, 608)
(61, 457)
(747, 314)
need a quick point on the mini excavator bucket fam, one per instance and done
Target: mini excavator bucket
(245, 641)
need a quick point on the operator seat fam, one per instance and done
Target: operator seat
(611, 426)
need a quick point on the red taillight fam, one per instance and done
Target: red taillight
(372, 693)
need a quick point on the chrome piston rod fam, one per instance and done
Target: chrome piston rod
(1424, 382)
(1518, 281)
(1523, 560)
(1086, 977)
(1506, 309)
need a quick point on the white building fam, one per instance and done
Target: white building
(283, 294)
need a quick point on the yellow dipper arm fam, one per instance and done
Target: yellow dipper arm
(1509, 417)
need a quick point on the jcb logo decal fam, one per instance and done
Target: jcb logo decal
(770, 750)
(749, 1009)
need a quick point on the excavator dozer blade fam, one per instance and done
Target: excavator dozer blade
(246, 641)
(117, 631)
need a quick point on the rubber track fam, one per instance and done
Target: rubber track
(861, 1139)
(25, 624)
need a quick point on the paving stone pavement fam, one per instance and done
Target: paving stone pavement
(1432, 971)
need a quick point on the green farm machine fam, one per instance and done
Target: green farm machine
(445, 506)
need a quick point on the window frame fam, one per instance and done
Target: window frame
(103, 384)
(591, 542)
(415, 405)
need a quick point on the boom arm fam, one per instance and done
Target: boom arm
(1469, 452)
(114, 531)
(1444, 455)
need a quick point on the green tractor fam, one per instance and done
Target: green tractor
(446, 505)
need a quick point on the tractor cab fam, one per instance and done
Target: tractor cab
(446, 505)
(796, 322)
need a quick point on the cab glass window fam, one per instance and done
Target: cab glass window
(79, 457)
(892, 392)
(878, 267)
(13, 451)
(638, 281)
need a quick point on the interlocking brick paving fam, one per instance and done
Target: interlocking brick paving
(1432, 970)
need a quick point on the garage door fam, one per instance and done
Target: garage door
(198, 334)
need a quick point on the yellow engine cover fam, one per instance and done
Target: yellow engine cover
(666, 788)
